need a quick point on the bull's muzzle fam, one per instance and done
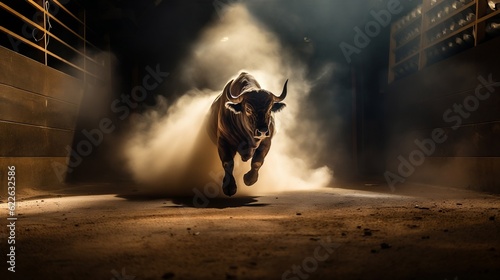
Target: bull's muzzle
(262, 133)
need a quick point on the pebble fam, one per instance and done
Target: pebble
(385, 246)
(168, 275)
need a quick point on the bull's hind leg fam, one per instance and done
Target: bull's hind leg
(226, 155)
(257, 161)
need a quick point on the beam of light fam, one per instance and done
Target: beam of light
(168, 150)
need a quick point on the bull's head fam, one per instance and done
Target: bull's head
(256, 107)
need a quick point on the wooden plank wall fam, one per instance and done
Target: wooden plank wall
(38, 112)
(470, 157)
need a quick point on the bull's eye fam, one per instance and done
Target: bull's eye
(248, 111)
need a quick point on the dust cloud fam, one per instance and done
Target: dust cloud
(168, 150)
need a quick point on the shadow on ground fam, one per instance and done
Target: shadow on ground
(220, 203)
(194, 202)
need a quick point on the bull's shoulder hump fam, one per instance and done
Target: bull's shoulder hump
(247, 82)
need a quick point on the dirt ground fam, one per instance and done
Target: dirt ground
(360, 232)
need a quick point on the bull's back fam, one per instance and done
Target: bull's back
(244, 82)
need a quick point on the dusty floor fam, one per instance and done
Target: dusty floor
(419, 232)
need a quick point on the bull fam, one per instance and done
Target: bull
(241, 121)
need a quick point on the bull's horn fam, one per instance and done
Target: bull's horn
(229, 96)
(283, 94)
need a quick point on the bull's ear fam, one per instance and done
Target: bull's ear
(278, 106)
(234, 107)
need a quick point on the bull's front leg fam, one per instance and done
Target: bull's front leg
(226, 155)
(258, 159)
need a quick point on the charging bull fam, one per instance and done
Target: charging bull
(241, 121)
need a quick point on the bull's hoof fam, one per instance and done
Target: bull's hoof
(251, 177)
(229, 188)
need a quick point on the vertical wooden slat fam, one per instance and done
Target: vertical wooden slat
(45, 38)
